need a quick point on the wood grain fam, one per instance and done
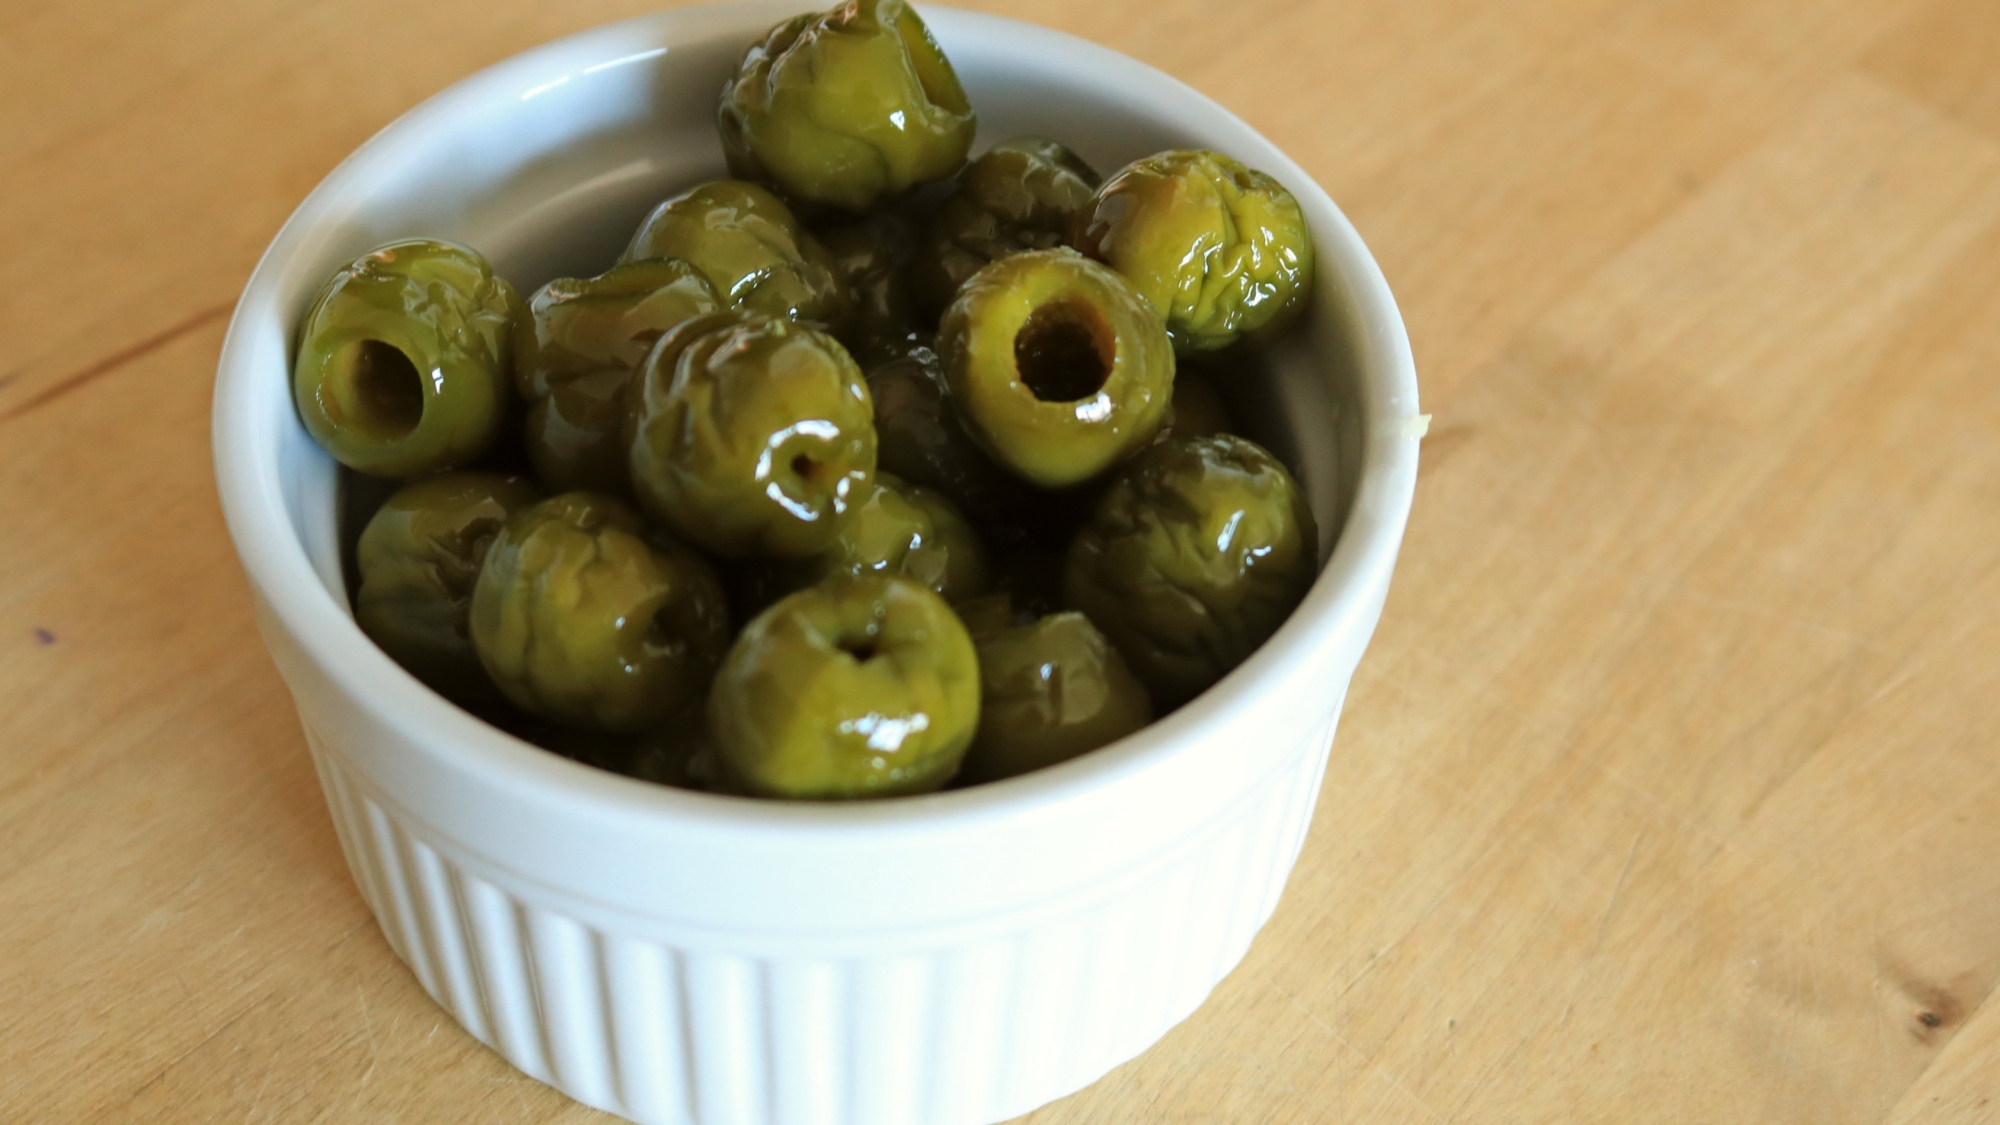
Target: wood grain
(1667, 793)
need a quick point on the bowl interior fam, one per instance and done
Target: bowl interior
(547, 163)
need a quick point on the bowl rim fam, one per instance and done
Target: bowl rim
(1343, 600)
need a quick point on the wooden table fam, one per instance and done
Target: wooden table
(1669, 792)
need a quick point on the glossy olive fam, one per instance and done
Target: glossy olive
(919, 438)
(574, 353)
(902, 529)
(1218, 249)
(872, 257)
(662, 360)
(584, 615)
(1196, 554)
(1055, 367)
(403, 360)
(750, 247)
(418, 559)
(857, 687)
(1049, 691)
(577, 327)
(575, 434)
(756, 438)
(1022, 194)
(846, 107)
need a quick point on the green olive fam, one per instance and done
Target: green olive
(750, 247)
(1020, 195)
(920, 439)
(1219, 250)
(857, 687)
(1196, 554)
(846, 107)
(905, 530)
(575, 434)
(584, 616)
(403, 363)
(756, 438)
(418, 559)
(872, 257)
(1055, 367)
(662, 359)
(1050, 691)
(576, 327)
(575, 352)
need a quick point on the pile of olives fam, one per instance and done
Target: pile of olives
(863, 472)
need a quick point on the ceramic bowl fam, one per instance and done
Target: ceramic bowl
(673, 957)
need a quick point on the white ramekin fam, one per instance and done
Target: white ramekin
(678, 957)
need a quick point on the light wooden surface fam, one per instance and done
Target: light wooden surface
(1669, 791)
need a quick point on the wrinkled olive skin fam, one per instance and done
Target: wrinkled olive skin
(901, 529)
(666, 351)
(1219, 250)
(661, 360)
(1196, 408)
(584, 616)
(919, 438)
(1196, 554)
(758, 437)
(419, 557)
(1023, 194)
(750, 247)
(575, 435)
(404, 359)
(846, 107)
(576, 327)
(872, 256)
(857, 687)
(1054, 366)
(1049, 691)
(574, 353)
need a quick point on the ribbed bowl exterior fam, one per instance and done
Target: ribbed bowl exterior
(952, 1034)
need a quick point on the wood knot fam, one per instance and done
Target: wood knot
(1937, 1008)
(1933, 1006)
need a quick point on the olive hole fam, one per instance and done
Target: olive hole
(1064, 352)
(934, 74)
(804, 466)
(862, 649)
(660, 630)
(463, 551)
(388, 390)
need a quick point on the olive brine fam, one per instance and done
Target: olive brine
(868, 471)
